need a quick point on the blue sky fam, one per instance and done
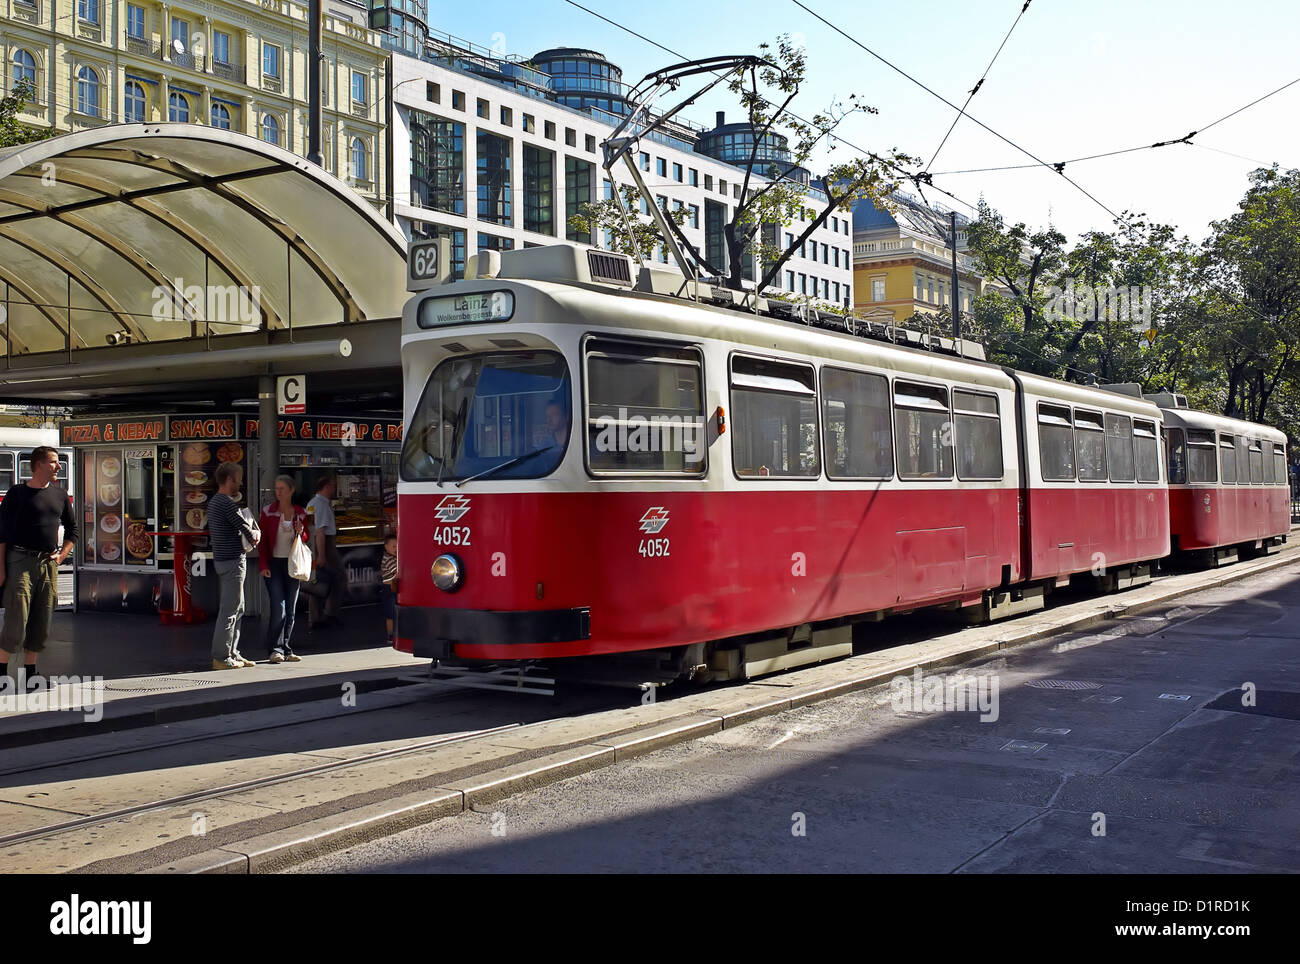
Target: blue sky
(1077, 77)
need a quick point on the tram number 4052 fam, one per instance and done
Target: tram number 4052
(451, 536)
(653, 548)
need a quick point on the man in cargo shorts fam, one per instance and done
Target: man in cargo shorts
(30, 556)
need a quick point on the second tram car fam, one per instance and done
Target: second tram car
(1229, 491)
(592, 469)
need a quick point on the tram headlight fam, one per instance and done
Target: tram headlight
(448, 572)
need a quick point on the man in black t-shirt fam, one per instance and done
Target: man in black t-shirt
(30, 556)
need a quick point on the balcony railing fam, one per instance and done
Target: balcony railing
(910, 246)
(144, 48)
(228, 71)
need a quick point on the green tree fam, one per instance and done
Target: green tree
(1252, 268)
(13, 131)
(636, 232)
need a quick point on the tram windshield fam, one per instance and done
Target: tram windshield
(499, 415)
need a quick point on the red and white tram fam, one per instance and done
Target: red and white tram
(590, 469)
(1228, 485)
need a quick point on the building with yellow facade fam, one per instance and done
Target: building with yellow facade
(902, 261)
(232, 64)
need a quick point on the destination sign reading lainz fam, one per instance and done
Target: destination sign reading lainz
(466, 309)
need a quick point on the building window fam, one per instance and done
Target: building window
(457, 100)
(507, 116)
(88, 91)
(483, 108)
(548, 130)
(432, 92)
(661, 167)
(360, 160)
(492, 242)
(570, 137)
(221, 47)
(693, 177)
(270, 61)
(178, 108)
(133, 102)
(715, 219)
(494, 199)
(645, 162)
(360, 88)
(677, 172)
(270, 129)
(877, 289)
(591, 144)
(530, 124)
(88, 10)
(24, 68)
(134, 21)
(539, 190)
(437, 163)
(579, 176)
(694, 215)
(221, 117)
(722, 186)
(789, 281)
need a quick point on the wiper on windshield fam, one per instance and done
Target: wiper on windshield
(506, 464)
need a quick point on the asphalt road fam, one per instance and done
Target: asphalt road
(1105, 756)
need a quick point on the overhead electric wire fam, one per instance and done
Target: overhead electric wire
(975, 90)
(933, 93)
(1185, 139)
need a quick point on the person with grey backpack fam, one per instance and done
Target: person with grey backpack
(234, 534)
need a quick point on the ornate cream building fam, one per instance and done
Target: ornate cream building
(233, 64)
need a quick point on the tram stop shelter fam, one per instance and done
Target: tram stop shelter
(174, 271)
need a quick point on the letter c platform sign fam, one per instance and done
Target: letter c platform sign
(291, 395)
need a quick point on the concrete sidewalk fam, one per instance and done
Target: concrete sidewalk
(154, 674)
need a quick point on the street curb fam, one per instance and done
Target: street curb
(175, 711)
(281, 849)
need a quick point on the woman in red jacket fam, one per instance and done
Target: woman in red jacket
(282, 522)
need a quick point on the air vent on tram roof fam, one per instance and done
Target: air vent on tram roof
(507, 342)
(454, 346)
(614, 269)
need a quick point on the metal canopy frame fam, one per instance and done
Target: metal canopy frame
(97, 227)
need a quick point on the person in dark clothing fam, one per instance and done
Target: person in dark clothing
(30, 556)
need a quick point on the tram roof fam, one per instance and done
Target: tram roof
(179, 240)
(1209, 421)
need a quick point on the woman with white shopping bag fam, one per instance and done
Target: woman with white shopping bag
(285, 531)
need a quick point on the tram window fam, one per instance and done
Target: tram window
(1228, 459)
(1176, 449)
(1201, 463)
(645, 408)
(1243, 460)
(977, 435)
(504, 415)
(855, 425)
(6, 471)
(775, 423)
(1256, 462)
(1279, 465)
(1119, 447)
(1090, 440)
(922, 431)
(1147, 452)
(1266, 458)
(1056, 443)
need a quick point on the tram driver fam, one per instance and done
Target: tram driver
(557, 422)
